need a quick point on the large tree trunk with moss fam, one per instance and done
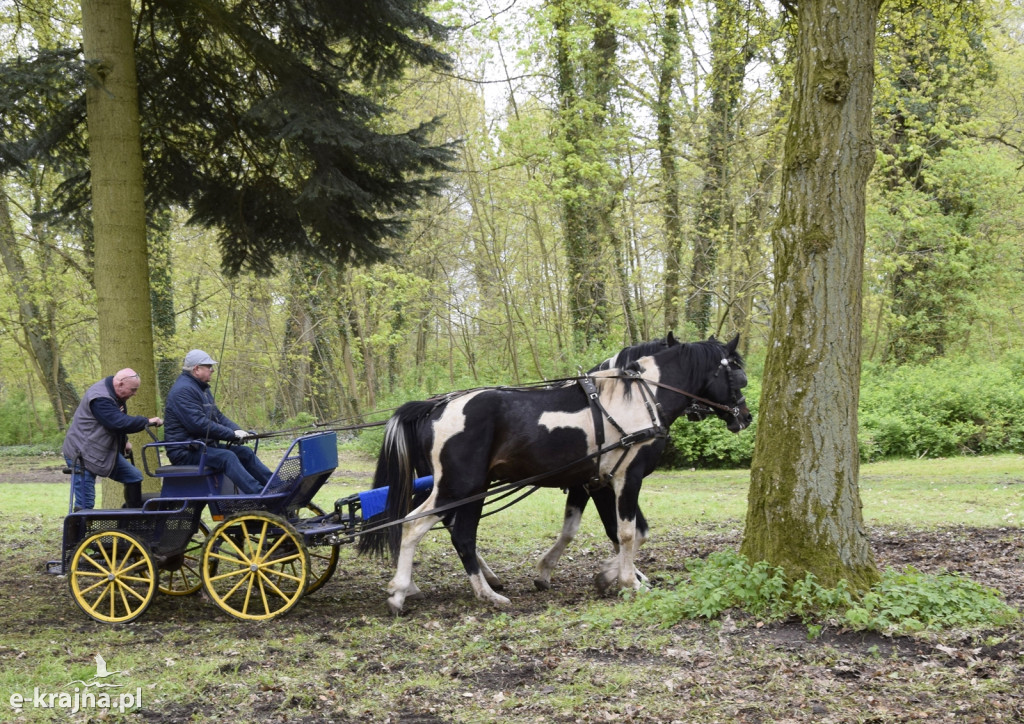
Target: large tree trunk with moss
(118, 207)
(804, 508)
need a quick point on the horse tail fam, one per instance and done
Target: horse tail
(400, 457)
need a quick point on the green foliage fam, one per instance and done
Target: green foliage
(22, 423)
(722, 581)
(902, 602)
(941, 409)
(914, 601)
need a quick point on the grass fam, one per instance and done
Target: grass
(559, 656)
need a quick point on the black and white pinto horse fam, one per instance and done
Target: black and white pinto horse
(610, 428)
(577, 496)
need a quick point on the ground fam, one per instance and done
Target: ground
(564, 670)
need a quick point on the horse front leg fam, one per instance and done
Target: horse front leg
(575, 502)
(401, 586)
(620, 572)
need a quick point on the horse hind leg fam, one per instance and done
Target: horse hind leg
(401, 586)
(575, 502)
(619, 572)
(463, 534)
(490, 576)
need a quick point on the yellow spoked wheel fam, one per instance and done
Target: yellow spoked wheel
(184, 578)
(255, 566)
(112, 576)
(322, 559)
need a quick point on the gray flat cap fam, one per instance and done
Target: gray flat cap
(197, 357)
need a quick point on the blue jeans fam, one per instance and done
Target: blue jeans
(238, 462)
(84, 483)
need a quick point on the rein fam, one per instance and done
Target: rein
(734, 411)
(504, 489)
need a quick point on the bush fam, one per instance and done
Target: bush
(940, 409)
(20, 424)
(709, 444)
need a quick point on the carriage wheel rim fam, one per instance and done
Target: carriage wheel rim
(112, 576)
(255, 566)
(323, 560)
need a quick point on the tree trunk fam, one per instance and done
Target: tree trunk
(168, 363)
(580, 119)
(729, 58)
(37, 326)
(804, 508)
(118, 207)
(668, 72)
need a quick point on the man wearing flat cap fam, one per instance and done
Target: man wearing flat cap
(191, 414)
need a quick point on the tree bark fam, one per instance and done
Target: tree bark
(730, 54)
(804, 509)
(118, 206)
(37, 326)
(669, 64)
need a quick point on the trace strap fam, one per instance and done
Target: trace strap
(510, 487)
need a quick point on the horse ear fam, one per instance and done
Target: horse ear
(670, 341)
(733, 344)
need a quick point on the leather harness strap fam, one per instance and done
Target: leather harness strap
(626, 440)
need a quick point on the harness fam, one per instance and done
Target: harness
(600, 414)
(699, 406)
(626, 440)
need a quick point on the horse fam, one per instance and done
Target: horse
(610, 429)
(577, 496)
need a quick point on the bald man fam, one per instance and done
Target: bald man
(97, 440)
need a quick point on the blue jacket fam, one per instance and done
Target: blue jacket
(191, 414)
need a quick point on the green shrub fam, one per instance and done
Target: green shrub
(940, 409)
(709, 444)
(905, 601)
(23, 424)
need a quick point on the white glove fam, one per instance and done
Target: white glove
(241, 434)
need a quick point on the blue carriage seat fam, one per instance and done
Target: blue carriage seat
(373, 502)
(182, 481)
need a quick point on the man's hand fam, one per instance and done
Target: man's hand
(155, 422)
(241, 434)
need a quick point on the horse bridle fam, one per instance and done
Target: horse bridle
(698, 400)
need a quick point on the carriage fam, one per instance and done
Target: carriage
(255, 555)
(595, 436)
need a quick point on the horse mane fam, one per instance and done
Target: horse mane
(631, 354)
(699, 356)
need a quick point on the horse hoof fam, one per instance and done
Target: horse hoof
(604, 583)
(541, 585)
(395, 605)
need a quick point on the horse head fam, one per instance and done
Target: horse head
(724, 386)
